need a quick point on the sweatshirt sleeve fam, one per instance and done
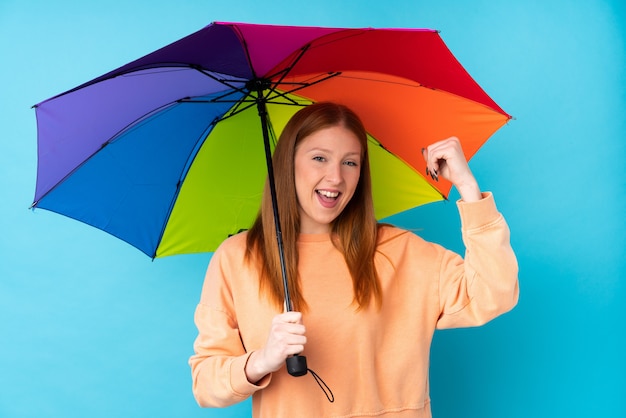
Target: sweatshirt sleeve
(483, 285)
(217, 367)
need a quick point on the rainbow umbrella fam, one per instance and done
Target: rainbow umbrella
(170, 152)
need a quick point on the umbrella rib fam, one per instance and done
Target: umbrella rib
(349, 33)
(221, 99)
(286, 70)
(244, 44)
(283, 73)
(235, 110)
(301, 86)
(228, 83)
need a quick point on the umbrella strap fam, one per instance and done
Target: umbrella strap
(296, 366)
(323, 386)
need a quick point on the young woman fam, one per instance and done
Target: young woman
(367, 297)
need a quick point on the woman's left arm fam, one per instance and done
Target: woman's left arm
(484, 284)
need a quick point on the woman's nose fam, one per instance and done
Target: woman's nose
(334, 173)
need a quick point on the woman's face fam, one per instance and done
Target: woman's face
(327, 170)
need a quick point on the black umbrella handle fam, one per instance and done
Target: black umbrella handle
(296, 365)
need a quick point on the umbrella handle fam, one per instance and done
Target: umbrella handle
(296, 365)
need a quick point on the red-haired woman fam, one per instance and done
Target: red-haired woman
(367, 297)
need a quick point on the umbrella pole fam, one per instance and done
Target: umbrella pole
(270, 173)
(296, 365)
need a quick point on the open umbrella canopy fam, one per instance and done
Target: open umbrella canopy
(167, 152)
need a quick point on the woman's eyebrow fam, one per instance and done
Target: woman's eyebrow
(326, 150)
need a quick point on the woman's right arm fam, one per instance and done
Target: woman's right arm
(218, 365)
(223, 372)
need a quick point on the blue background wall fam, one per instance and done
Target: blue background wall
(89, 327)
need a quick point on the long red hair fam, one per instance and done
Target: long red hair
(354, 231)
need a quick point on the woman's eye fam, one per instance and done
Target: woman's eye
(318, 158)
(351, 163)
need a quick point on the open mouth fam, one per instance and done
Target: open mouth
(326, 196)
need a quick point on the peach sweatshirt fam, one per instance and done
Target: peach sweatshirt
(374, 361)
